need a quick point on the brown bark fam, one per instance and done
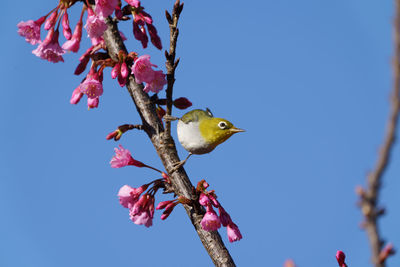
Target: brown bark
(165, 146)
(370, 197)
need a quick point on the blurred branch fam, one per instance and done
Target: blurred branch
(165, 146)
(171, 64)
(370, 197)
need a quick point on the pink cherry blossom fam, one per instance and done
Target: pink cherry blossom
(93, 102)
(65, 24)
(76, 96)
(163, 204)
(233, 232)
(224, 217)
(30, 30)
(142, 211)
(168, 209)
(50, 49)
(142, 218)
(134, 3)
(92, 87)
(121, 80)
(51, 21)
(74, 43)
(210, 221)
(124, 70)
(105, 8)
(128, 196)
(142, 17)
(341, 257)
(142, 69)
(95, 25)
(155, 39)
(204, 200)
(139, 32)
(124, 158)
(115, 71)
(157, 84)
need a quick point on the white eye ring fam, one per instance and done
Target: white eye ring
(222, 125)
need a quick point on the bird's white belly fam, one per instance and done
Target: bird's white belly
(191, 139)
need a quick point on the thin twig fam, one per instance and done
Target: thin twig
(370, 197)
(165, 147)
(171, 64)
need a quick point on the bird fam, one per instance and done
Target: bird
(199, 132)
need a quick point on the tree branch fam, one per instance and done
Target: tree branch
(171, 64)
(370, 197)
(165, 146)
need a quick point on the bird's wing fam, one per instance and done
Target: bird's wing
(195, 115)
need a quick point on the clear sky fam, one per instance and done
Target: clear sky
(309, 81)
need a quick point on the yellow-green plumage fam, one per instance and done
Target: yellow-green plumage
(199, 132)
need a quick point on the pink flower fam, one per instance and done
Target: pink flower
(105, 7)
(141, 18)
(128, 196)
(233, 232)
(204, 200)
(115, 71)
(76, 96)
(74, 43)
(168, 205)
(134, 3)
(93, 102)
(50, 49)
(124, 158)
(30, 30)
(142, 218)
(182, 103)
(95, 25)
(124, 70)
(163, 204)
(155, 39)
(142, 211)
(224, 217)
(142, 69)
(157, 84)
(340, 257)
(51, 21)
(92, 87)
(65, 24)
(97, 41)
(210, 221)
(121, 80)
(84, 60)
(115, 134)
(139, 32)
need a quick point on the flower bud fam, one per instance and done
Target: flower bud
(182, 103)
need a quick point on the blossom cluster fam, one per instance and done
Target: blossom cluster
(49, 48)
(141, 207)
(211, 221)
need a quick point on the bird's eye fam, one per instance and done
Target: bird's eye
(222, 125)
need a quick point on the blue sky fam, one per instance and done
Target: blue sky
(309, 81)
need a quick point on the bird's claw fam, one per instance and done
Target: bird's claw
(167, 117)
(177, 165)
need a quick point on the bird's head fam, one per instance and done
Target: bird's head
(216, 130)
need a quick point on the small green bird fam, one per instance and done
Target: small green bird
(199, 132)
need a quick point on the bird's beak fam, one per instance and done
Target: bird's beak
(236, 130)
